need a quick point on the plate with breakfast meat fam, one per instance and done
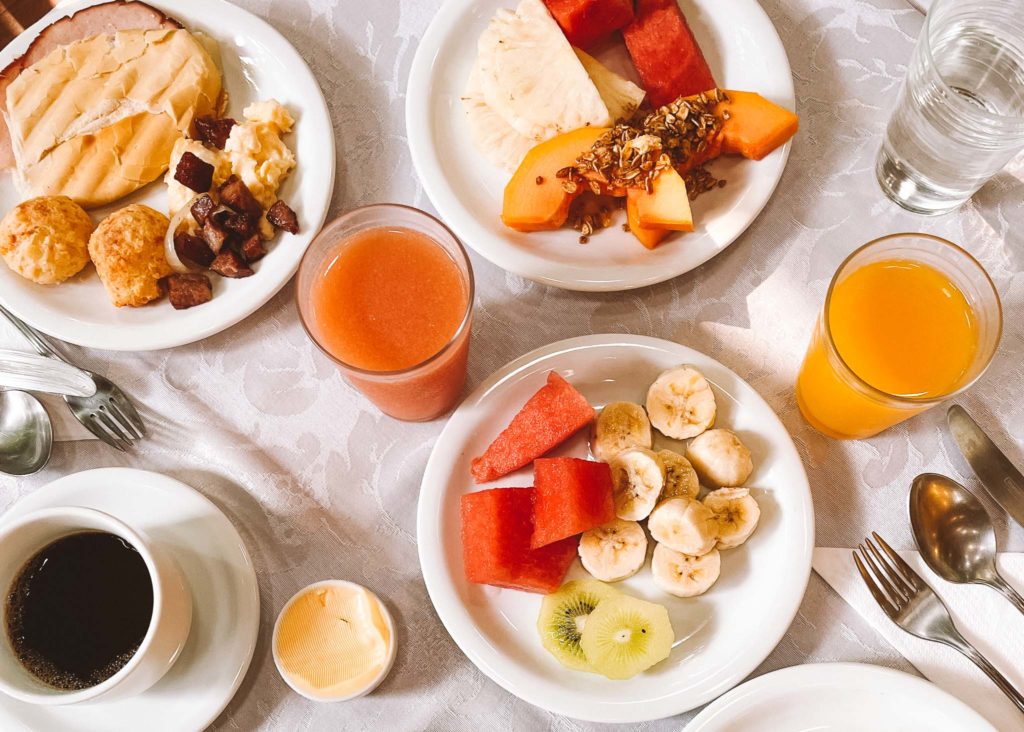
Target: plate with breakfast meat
(615, 528)
(163, 167)
(600, 144)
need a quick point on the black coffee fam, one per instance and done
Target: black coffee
(78, 610)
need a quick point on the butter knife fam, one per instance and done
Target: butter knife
(30, 372)
(999, 476)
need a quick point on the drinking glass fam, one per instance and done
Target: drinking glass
(837, 401)
(425, 390)
(960, 114)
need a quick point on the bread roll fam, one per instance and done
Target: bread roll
(46, 239)
(128, 250)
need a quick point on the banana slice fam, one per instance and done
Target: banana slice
(619, 426)
(683, 575)
(637, 479)
(681, 404)
(493, 137)
(531, 76)
(685, 525)
(737, 514)
(720, 459)
(680, 477)
(614, 551)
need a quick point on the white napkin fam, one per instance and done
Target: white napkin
(65, 427)
(983, 616)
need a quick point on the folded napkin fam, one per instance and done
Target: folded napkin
(65, 427)
(983, 616)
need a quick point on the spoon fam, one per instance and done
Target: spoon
(26, 435)
(955, 534)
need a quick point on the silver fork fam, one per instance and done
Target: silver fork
(913, 606)
(108, 414)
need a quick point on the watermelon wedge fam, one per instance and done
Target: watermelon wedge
(497, 525)
(549, 418)
(585, 22)
(572, 496)
(665, 53)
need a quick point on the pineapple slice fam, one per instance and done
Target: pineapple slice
(620, 95)
(492, 136)
(532, 78)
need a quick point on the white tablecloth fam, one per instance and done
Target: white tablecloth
(323, 486)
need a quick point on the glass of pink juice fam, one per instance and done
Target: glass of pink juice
(386, 292)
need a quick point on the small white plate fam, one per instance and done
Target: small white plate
(258, 63)
(720, 637)
(225, 597)
(744, 52)
(838, 697)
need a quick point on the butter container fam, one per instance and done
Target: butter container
(334, 641)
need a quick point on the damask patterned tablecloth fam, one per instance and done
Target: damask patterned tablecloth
(321, 485)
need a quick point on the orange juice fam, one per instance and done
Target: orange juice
(387, 292)
(907, 333)
(389, 299)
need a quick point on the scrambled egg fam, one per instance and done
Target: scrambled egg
(258, 155)
(254, 152)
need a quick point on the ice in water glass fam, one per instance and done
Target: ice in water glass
(960, 114)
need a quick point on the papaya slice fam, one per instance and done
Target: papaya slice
(754, 126)
(534, 198)
(667, 206)
(650, 238)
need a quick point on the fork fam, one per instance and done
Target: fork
(108, 414)
(913, 606)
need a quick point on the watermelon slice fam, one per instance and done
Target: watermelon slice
(497, 525)
(585, 22)
(572, 496)
(549, 418)
(665, 53)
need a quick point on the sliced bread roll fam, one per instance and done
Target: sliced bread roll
(96, 119)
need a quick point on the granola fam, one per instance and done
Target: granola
(633, 153)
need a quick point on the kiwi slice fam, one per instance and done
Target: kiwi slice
(624, 636)
(563, 615)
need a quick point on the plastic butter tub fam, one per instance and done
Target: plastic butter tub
(334, 641)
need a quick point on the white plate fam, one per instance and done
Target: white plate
(744, 52)
(838, 697)
(258, 63)
(225, 596)
(720, 637)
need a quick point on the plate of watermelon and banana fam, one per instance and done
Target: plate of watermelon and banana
(615, 528)
(600, 144)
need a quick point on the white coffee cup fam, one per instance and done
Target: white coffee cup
(168, 628)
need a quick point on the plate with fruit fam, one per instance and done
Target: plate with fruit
(600, 144)
(615, 528)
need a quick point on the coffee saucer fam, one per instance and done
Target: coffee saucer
(225, 595)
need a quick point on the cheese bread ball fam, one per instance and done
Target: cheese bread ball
(128, 251)
(46, 239)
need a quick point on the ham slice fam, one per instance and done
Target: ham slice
(104, 18)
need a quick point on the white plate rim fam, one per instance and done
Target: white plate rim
(157, 336)
(453, 614)
(419, 121)
(842, 673)
(120, 475)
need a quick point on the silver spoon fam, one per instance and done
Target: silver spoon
(955, 534)
(26, 435)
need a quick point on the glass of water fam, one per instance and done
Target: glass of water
(960, 114)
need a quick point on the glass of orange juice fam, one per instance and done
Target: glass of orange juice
(909, 320)
(386, 292)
